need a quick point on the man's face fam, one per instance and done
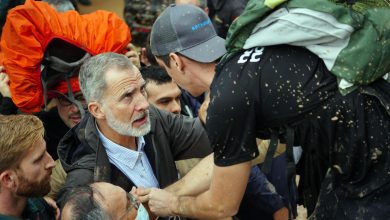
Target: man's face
(124, 103)
(184, 80)
(115, 201)
(68, 111)
(33, 172)
(165, 96)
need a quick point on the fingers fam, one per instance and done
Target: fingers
(133, 190)
(4, 85)
(143, 195)
(130, 47)
(143, 199)
(57, 211)
(134, 58)
(4, 77)
(53, 204)
(131, 54)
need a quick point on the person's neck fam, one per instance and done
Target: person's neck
(204, 74)
(11, 205)
(125, 141)
(209, 70)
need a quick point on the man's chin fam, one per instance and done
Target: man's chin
(34, 190)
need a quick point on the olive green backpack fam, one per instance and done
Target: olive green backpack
(352, 36)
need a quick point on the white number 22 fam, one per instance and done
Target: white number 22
(254, 57)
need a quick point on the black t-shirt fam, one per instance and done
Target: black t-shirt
(262, 88)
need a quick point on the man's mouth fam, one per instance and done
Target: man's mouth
(75, 118)
(140, 120)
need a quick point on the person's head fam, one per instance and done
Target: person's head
(81, 204)
(68, 110)
(99, 201)
(184, 42)
(115, 93)
(25, 166)
(59, 76)
(162, 91)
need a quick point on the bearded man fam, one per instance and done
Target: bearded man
(25, 169)
(123, 140)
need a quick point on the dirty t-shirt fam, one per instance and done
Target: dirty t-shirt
(259, 88)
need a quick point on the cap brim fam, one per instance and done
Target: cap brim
(207, 51)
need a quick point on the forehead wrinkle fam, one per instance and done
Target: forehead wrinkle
(96, 192)
(125, 84)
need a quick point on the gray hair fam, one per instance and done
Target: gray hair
(92, 73)
(83, 205)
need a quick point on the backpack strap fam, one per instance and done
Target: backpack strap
(286, 132)
(267, 164)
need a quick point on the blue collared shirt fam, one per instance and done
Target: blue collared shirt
(134, 164)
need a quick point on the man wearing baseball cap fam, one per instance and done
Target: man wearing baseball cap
(185, 43)
(275, 92)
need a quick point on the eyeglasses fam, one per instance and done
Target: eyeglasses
(131, 201)
(65, 101)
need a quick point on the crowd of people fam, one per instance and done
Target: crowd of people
(157, 116)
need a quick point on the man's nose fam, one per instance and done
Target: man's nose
(175, 107)
(141, 103)
(73, 108)
(50, 163)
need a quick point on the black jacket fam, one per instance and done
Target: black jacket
(172, 137)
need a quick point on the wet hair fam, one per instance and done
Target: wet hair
(155, 74)
(165, 59)
(83, 205)
(92, 73)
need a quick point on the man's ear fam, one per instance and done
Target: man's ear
(8, 179)
(96, 110)
(177, 62)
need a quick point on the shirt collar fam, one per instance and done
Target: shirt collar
(113, 148)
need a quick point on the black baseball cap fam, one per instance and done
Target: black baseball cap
(186, 29)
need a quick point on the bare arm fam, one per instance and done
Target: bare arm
(199, 178)
(196, 181)
(221, 200)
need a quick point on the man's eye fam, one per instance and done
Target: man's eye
(164, 101)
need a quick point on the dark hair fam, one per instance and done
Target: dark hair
(83, 204)
(155, 74)
(149, 55)
(165, 59)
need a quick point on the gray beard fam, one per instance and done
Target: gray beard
(126, 128)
